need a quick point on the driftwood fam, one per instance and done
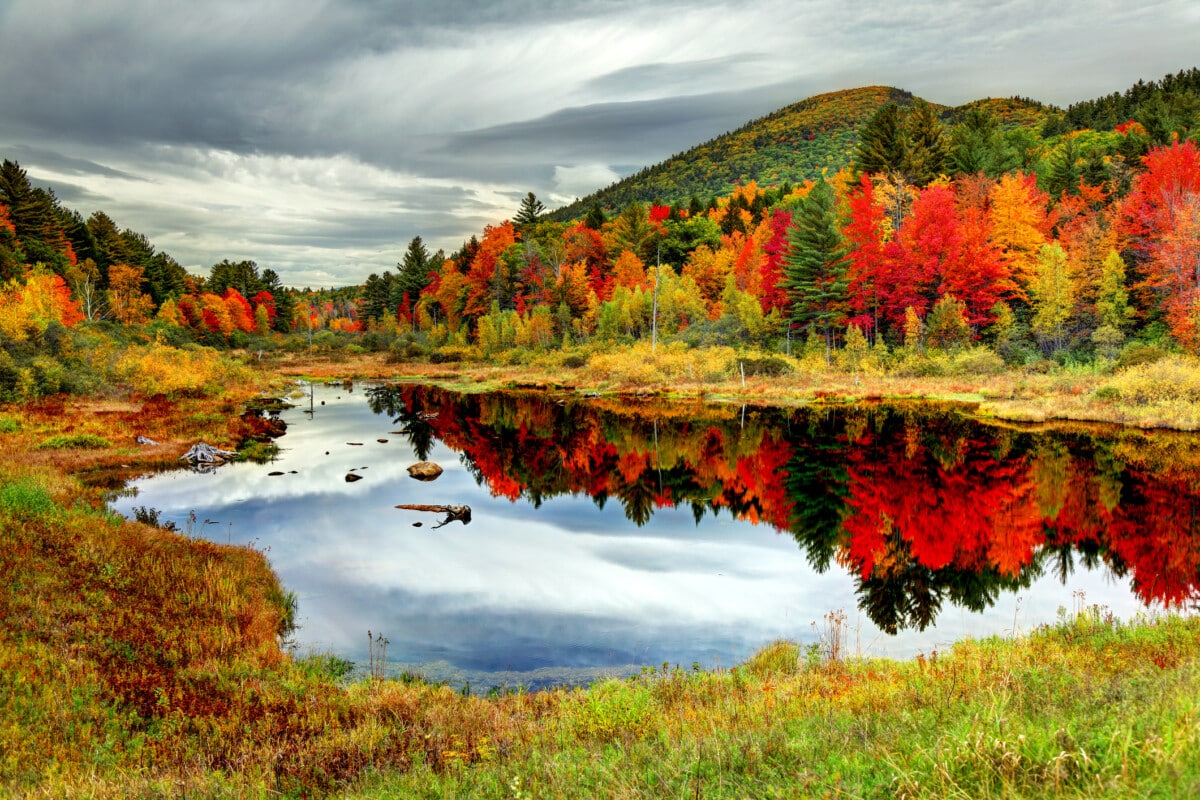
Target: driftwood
(460, 513)
(201, 453)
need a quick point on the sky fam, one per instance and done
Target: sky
(318, 138)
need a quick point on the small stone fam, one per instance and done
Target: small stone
(273, 474)
(351, 477)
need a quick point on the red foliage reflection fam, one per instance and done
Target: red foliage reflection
(921, 506)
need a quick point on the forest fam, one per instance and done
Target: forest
(926, 240)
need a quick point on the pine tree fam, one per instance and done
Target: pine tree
(880, 148)
(414, 274)
(595, 218)
(529, 212)
(815, 269)
(926, 150)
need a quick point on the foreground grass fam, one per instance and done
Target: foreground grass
(1088, 708)
(138, 662)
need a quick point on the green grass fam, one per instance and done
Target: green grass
(24, 499)
(9, 425)
(1089, 708)
(75, 441)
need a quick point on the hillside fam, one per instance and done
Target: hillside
(793, 144)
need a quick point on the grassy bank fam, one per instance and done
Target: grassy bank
(141, 662)
(1162, 393)
(1088, 708)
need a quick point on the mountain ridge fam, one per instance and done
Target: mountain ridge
(797, 142)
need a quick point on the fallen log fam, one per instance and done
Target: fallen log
(460, 513)
(202, 453)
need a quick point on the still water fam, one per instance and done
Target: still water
(608, 534)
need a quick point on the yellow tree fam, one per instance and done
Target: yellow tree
(1020, 224)
(1053, 297)
(128, 303)
(710, 269)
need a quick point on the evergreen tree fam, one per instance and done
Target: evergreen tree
(977, 145)
(880, 148)
(595, 218)
(375, 294)
(926, 149)
(531, 209)
(1062, 175)
(815, 269)
(242, 275)
(108, 246)
(285, 302)
(414, 274)
(36, 217)
(165, 278)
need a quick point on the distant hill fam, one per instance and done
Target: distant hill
(793, 144)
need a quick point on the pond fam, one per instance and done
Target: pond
(608, 534)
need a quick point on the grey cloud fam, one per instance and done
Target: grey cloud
(677, 77)
(612, 131)
(58, 162)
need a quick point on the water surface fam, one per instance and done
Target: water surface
(609, 534)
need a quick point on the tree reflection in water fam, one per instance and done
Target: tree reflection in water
(920, 503)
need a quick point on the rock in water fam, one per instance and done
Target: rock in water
(425, 470)
(351, 477)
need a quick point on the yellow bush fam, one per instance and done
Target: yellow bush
(670, 362)
(1171, 379)
(162, 369)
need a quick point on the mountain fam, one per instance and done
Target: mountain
(793, 144)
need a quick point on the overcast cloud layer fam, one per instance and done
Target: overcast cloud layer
(317, 138)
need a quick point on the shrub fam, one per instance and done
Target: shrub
(24, 500)
(574, 361)
(161, 369)
(772, 366)
(1166, 380)
(9, 425)
(75, 441)
(1137, 353)
(446, 355)
(976, 361)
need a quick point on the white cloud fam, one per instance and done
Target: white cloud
(571, 183)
